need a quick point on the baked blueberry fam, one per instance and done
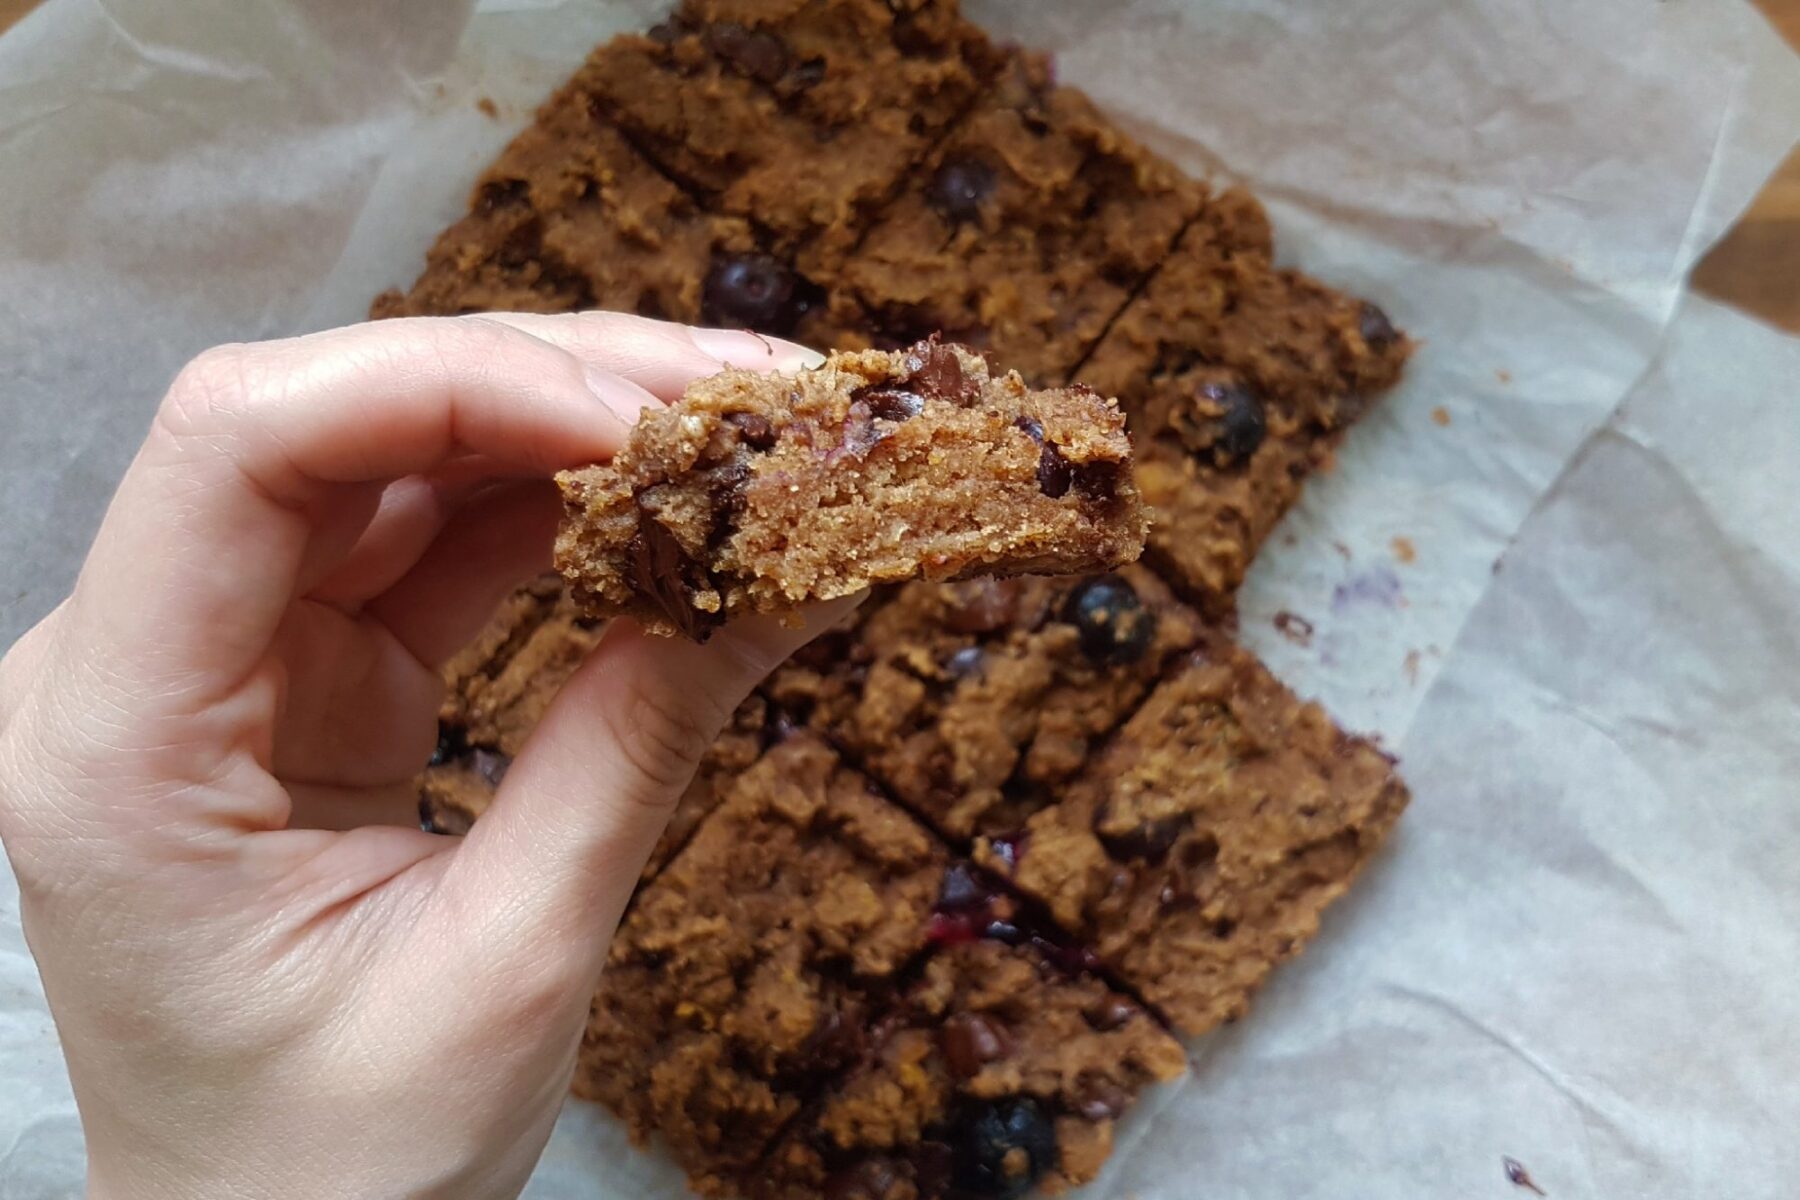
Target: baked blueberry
(751, 291)
(1115, 627)
(1242, 423)
(1378, 333)
(960, 187)
(1001, 1147)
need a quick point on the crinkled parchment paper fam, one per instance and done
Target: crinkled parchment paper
(1557, 571)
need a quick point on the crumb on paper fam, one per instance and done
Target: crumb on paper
(1294, 627)
(1343, 550)
(1404, 550)
(488, 108)
(1411, 667)
(1503, 375)
(1518, 1176)
(1441, 415)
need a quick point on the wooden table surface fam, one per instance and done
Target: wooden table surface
(1756, 267)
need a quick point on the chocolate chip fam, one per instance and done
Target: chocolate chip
(1114, 626)
(938, 372)
(970, 1041)
(1110, 1013)
(981, 605)
(870, 1179)
(760, 55)
(1054, 473)
(662, 572)
(752, 291)
(1378, 333)
(960, 187)
(964, 662)
(891, 401)
(1149, 842)
(753, 429)
(1242, 424)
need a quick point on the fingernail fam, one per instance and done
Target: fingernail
(625, 398)
(753, 351)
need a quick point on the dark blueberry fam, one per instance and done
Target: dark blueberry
(1242, 424)
(1034, 428)
(1378, 333)
(1110, 1013)
(1003, 931)
(891, 401)
(1054, 474)
(970, 1041)
(753, 429)
(986, 1142)
(1115, 627)
(834, 1042)
(1070, 960)
(960, 187)
(762, 56)
(962, 890)
(964, 662)
(751, 291)
(451, 744)
(870, 1179)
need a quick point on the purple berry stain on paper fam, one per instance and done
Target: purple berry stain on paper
(1377, 587)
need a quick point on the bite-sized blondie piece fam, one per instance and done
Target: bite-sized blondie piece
(975, 702)
(1025, 231)
(499, 687)
(999, 1070)
(747, 973)
(571, 217)
(1201, 847)
(802, 117)
(757, 493)
(1240, 379)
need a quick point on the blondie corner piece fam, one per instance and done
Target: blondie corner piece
(759, 493)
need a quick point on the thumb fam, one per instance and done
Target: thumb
(553, 862)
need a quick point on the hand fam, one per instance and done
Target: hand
(268, 981)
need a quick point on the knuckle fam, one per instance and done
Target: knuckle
(660, 737)
(207, 391)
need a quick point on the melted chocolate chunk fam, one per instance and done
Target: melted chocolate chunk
(1378, 333)
(1054, 473)
(970, 1041)
(662, 571)
(753, 429)
(891, 401)
(937, 372)
(753, 291)
(760, 55)
(960, 187)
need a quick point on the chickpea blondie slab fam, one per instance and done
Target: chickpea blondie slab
(1024, 232)
(970, 701)
(1240, 379)
(1201, 847)
(757, 493)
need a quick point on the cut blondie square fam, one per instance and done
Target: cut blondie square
(1200, 848)
(758, 493)
(1240, 380)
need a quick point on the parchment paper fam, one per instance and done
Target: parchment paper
(1582, 949)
